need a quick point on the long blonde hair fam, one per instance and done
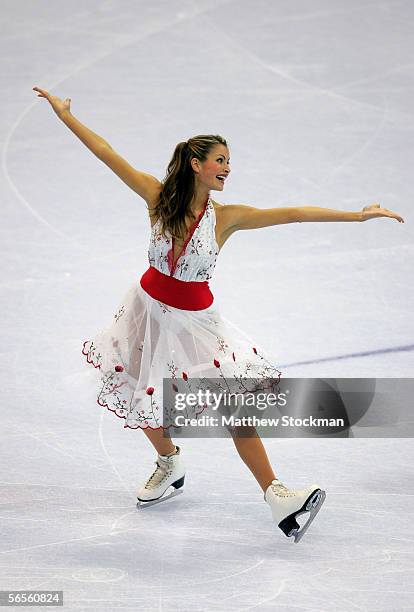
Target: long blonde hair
(178, 185)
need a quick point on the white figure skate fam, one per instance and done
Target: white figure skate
(287, 504)
(166, 481)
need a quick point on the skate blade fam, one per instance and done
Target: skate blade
(144, 504)
(313, 511)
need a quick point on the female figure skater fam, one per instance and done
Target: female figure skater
(167, 327)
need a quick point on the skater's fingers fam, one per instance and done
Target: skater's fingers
(375, 210)
(392, 215)
(43, 92)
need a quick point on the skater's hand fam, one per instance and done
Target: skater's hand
(58, 105)
(375, 210)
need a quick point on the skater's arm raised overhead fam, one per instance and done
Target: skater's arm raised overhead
(145, 185)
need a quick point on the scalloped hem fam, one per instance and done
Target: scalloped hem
(105, 405)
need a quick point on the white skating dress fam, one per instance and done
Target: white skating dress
(151, 340)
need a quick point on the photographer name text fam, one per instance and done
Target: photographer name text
(253, 421)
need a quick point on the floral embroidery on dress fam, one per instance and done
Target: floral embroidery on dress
(93, 355)
(203, 272)
(119, 313)
(222, 345)
(182, 266)
(195, 246)
(163, 307)
(112, 385)
(173, 369)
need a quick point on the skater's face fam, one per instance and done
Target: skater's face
(216, 164)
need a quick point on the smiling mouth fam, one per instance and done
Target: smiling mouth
(221, 179)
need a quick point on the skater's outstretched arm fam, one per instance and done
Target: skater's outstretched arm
(241, 217)
(145, 185)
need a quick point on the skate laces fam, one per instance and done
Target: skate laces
(281, 490)
(159, 474)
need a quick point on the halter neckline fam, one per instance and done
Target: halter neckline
(191, 233)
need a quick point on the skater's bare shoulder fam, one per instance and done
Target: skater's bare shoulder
(217, 205)
(227, 216)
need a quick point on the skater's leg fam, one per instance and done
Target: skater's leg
(251, 450)
(160, 440)
(285, 504)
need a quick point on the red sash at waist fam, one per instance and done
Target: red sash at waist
(187, 295)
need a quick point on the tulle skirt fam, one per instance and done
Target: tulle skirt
(149, 341)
